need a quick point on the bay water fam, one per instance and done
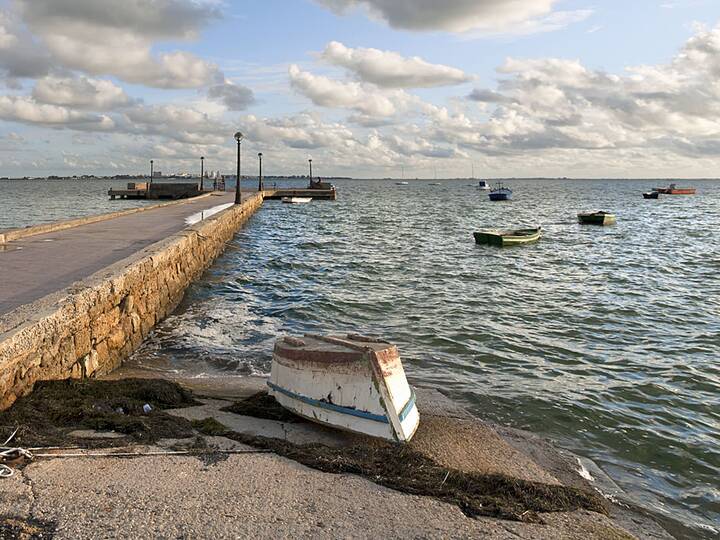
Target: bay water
(605, 340)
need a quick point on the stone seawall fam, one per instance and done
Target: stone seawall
(90, 328)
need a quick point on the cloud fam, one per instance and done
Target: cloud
(304, 131)
(391, 70)
(166, 19)
(81, 92)
(235, 97)
(552, 103)
(105, 37)
(484, 95)
(20, 54)
(28, 111)
(363, 98)
(491, 16)
(176, 122)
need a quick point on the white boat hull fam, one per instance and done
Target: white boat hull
(370, 395)
(296, 200)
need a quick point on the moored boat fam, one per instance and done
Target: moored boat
(500, 193)
(402, 183)
(510, 237)
(672, 189)
(651, 195)
(296, 200)
(351, 382)
(482, 184)
(596, 218)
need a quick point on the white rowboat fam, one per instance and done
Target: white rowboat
(296, 200)
(352, 383)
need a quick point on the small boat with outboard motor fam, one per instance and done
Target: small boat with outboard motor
(651, 195)
(296, 200)
(500, 193)
(354, 383)
(596, 218)
(509, 237)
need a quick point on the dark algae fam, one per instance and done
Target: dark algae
(12, 528)
(403, 469)
(210, 427)
(262, 405)
(56, 408)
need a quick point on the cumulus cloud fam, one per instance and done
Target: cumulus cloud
(390, 69)
(492, 16)
(105, 37)
(81, 92)
(28, 111)
(234, 96)
(559, 103)
(20, 54)
(304, 131)
(175, 122)
(365, 99)
(162, 18)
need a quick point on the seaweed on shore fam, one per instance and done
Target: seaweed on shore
(210, 427)
(262, 405)
(15, 528)
(407, 471)
(55, 408)
(404, 469)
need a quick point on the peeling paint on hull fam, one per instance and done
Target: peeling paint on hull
(351, 383)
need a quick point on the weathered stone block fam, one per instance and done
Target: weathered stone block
(116, 339)
(104, 324)
(82, 341)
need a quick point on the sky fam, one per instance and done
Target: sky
(365, 88)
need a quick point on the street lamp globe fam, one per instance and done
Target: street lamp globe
(239, 136)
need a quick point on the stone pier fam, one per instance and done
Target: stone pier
(78, 298)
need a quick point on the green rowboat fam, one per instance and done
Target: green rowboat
(494, 237)
(597, 218)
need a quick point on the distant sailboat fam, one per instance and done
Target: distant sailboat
(482, 184)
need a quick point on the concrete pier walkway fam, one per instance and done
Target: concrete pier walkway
(36, 266)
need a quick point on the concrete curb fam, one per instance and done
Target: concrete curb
(15, 234)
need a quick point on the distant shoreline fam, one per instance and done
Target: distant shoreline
(410, 180)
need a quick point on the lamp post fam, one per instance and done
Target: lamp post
(238, 137)
(152, 171)
(260, 179)
(202, 171)
(311, 176)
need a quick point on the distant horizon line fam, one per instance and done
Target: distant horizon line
(331, 177)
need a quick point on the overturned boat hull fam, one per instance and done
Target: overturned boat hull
(350, 382)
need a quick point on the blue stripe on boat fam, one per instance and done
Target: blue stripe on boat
(409, 406)
(329, 406)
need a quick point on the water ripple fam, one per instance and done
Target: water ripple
(604, 339)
